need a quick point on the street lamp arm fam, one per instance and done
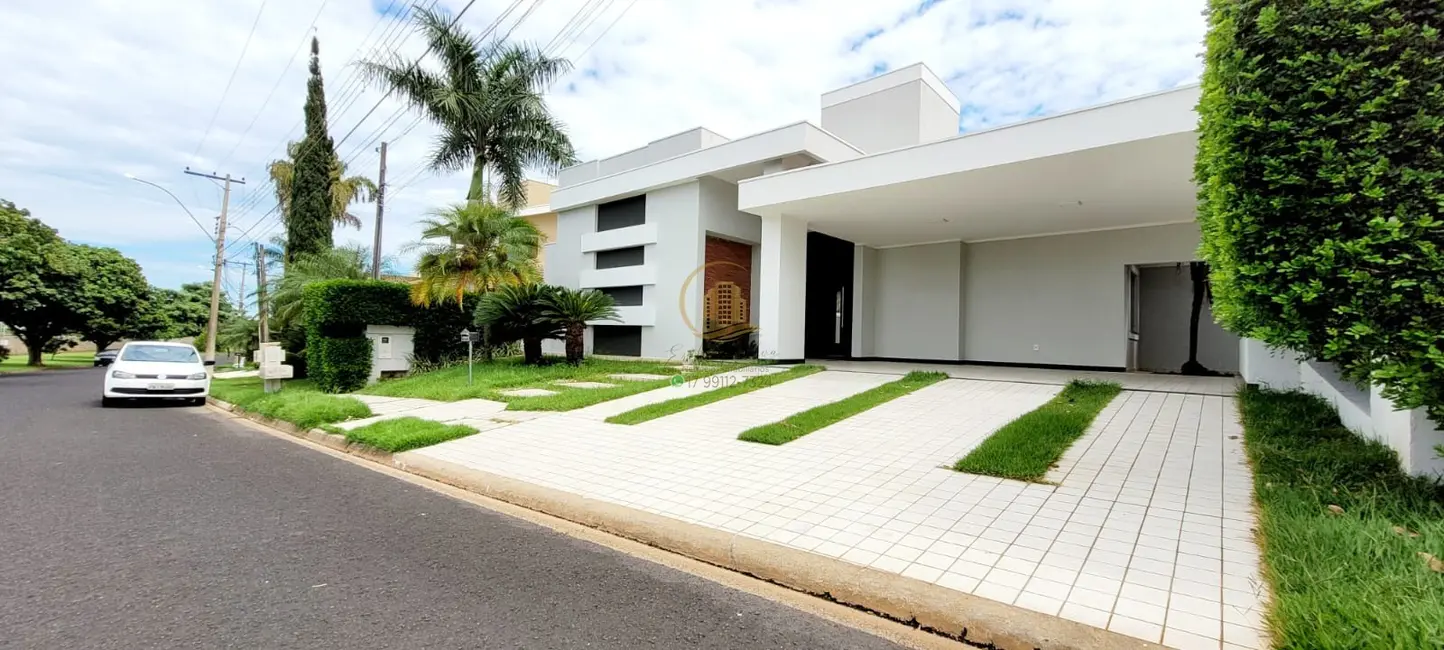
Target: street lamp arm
(177, 202)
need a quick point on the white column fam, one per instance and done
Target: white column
(781, 308)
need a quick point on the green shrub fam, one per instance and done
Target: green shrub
(1322, 184)
(339, 365)
(438, 330)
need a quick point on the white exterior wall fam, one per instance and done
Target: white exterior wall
(394, 357)
(1065, 294)
(864, 298)
(676, 212)
(781, 304)
(565, 259)
(882, 121)
(1276, 369)
(1166, 303)
(917, 306)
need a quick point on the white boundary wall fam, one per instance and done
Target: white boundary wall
(1409, 433)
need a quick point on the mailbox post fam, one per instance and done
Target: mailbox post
(272, 369)
(470, 338)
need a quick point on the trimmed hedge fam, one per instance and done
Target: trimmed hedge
(336, 313)
(1322, 184)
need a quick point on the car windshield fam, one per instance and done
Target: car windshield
(159, 353)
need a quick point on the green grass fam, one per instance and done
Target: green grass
(489, 379)
(298, 402)
(801, 424)
(1027, 447)
(671, 406)
(402, 434)
(16, 362)
(1347, 580)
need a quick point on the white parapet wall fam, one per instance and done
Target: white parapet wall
(1409, 432)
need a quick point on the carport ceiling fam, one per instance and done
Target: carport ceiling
(1138, 183)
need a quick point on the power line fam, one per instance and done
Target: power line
(582, 13)
(232, 80)
(608, 29)
(289, 62)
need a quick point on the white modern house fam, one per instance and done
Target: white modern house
(881, 233)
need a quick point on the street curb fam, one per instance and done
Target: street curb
(963, 616)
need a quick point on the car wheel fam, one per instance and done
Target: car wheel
(108, 402)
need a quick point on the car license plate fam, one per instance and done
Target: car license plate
(159, 386)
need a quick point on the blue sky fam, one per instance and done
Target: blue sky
(138, 83)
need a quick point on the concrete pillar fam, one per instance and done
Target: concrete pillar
(782, 306)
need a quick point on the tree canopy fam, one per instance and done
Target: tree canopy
(308, 227)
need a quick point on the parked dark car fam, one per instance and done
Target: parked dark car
(105, 357)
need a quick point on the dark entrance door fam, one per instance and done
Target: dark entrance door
(828, 328)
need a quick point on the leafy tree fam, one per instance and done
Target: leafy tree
(518, 312)
(112, 294)
(345, 190)
(473, 247)
(486, 98)
(239, 334)
(308, 229)
(571, 309)
(40, 276)
(1322, 184)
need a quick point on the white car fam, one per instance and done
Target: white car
(156, 370)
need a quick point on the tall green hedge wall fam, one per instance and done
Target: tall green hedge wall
(336, 313)
(1321, 181)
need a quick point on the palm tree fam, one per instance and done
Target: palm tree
(571, 309)
(473, 247)
(486, 98)
(345, 190)
(342, 262)
(517, 312)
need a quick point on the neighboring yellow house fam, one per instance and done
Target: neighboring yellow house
(539, 212)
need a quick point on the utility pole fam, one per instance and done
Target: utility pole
(219, 264)
(380, 207)
(241, 298)
(265, 333)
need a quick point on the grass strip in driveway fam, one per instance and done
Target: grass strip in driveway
(801, 424)
(488, 378)
(298, 402)
(671, 406)
(1352, 577)
(1027, 447)
(568, 399)
(402, 434)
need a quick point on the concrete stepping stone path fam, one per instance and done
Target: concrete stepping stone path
(528, 392)
(585, 384)
(638, 376)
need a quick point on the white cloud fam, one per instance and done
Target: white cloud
(96, 89)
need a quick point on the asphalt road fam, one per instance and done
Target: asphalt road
(174, 527)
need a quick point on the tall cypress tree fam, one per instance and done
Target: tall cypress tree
(308, 226)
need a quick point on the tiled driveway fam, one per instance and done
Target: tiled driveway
(1147, 533)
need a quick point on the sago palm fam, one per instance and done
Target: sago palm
(515, 312)
(345, 190)
(572, 309)
(475, 246)
(486, 99)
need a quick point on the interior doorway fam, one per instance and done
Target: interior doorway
(1165, 334)
(828, 328)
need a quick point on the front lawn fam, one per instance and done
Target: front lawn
(402, 434)
(1027, 447)
(801, 424)
(1347, 538)
(298, 402)
(489, 379)
(16, 362)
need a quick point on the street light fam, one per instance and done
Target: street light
(177, 201)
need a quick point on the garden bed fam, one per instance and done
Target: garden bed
(298, 402)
